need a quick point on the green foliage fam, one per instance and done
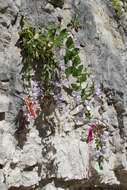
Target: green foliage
(77, 70)
(100, 145)
(117, 6)
(99, 140)
(40, 48)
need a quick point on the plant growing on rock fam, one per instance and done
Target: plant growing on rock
(77, 70)
(98, 135)
(42, 70)
(40, 61)
(117, 7)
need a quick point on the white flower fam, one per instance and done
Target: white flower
(105, 134)
(98, 153)
(98, 92)
(88, 105)
(62, 66)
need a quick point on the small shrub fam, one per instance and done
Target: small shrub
(41, 71)
(40, 60)
(98, 136)
(117, 7)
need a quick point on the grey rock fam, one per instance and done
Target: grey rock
(30, 178)
(3, 186)
(36, 13)
(4, 103)
(64, 161)
(49, 7)
(75, 167)
(3, 5)
(123, 21)
(4, 76)
(1, 176)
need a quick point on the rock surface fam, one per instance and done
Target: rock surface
(64, 161)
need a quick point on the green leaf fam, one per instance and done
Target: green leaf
(69, 71)
(76, 60)
(69, 43)
(70, 53)
(77, 71)
(86, 96)
(30, 50)
(83, 92)
(68, 56)
(66, 59)
(75, 87)
(75, 51)
(82, 78)
(36, 36)
(63, 34)
(51, 32)
(58, 40)
(80, 68)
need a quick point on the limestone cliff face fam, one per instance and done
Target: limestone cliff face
(63, 161)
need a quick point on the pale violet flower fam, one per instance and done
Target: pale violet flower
(60, 97)
(106, 134)
(79, 121)
(77, 44)
(98, 92)
(98, 153)
(75, 93)
(105, 150)
(93, 77)
(77, 97)
(62, 66)
(36, 91)
(65, 83)
(88, 105)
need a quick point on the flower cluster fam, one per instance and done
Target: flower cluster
(35, 90)
(52, 66)
(32, 100)
(30, 108)
(97, 136)
(91, 133)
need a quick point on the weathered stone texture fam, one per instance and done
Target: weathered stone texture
(63, 161)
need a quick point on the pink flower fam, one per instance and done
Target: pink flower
(90, 133)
